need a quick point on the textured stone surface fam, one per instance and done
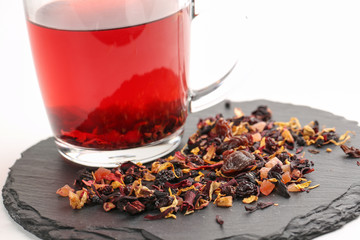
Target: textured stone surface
(29, 195)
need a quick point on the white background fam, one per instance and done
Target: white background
(302, 52)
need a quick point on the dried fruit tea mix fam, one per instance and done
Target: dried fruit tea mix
(243, 158)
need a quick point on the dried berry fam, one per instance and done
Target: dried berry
(222, 129)
(83, 175)
(233, 142)
(263, 113)
(128, 179)
(237, 162)
(246, 189)
(219, 220)
(164, 176)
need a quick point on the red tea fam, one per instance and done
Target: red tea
(112, 88)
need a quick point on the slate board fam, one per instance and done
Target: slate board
(29, 195)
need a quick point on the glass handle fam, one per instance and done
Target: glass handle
(205, 97)
(210, 95)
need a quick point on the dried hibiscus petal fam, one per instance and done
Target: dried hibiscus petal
(314, 151)
(188, 204)
(259, 205)
(160, 215)
(351, 151)
(134, 207)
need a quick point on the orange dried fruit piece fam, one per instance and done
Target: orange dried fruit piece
(224, 201)
(264, 172)
(266, 187)
(258, 127)
(272, 162)
(64, 191)
(285, 177)
(101, 173)
(78, 199)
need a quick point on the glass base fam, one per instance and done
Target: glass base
(114, 158)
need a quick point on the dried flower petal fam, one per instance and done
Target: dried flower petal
(287, 135)
(250, 199)
(134, 207)
(298, 187)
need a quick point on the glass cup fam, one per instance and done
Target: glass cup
(114, 76)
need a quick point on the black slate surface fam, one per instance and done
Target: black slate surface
(29, 195)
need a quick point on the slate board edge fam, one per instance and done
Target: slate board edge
(297, 228)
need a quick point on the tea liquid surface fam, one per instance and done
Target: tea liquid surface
(112, 88)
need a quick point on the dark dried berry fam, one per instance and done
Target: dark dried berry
(194, 173)
(96, 199)
(106, 190)
(229, 190)
(83, 174)
(164, 176)
(319, 143)
(300, 141)
(283, 156)
(163, 201)
(178, 172)
(212, 176)
(262, 113)
(246, 189)
(270, 145)
(128, 179)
